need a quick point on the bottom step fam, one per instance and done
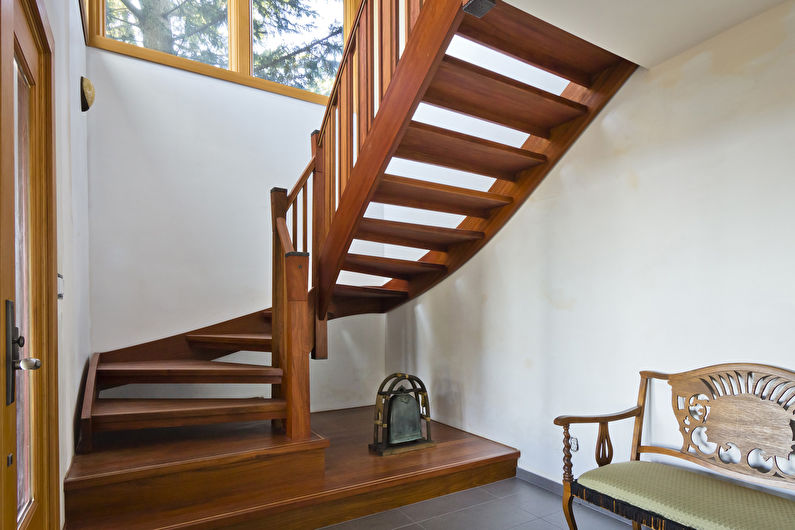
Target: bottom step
(267, 490)
(131, 414)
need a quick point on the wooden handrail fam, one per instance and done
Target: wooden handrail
(310, 167)
(284, 235)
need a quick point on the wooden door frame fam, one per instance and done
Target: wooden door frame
(43, 244)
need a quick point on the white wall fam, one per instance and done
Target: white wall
(180, 169)
(74, 344)
(661, 241)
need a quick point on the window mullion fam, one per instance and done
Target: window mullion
(240, 36)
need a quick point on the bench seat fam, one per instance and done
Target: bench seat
(693, 500)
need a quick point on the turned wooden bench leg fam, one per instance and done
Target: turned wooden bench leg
(568, 508)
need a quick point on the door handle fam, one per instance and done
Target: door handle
(30, 363)
(15, 341)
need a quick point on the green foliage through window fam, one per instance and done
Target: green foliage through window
(295, 42)
(298, 42)
(194, 29)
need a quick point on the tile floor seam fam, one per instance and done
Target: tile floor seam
(451, 511)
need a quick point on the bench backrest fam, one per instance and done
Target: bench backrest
(738, 419)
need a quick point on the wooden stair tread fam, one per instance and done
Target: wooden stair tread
(516, 33)
(435, 145)
(390, 267)
(402, 191)
(185, 371)
(146, 406)
(464, 87)
(124, 414)
(356, 291)
(414, 235)
(248, 341)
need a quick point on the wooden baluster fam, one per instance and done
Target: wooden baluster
(389, 21)
(304, 225)
(294, 206)
(365, 43)
(330, 138)
(346, 125)
(412, 13)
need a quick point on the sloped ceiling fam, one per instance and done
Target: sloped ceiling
(646, 32)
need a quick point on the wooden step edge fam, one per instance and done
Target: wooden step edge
(116, 373)
(515, 83)
(72, 483)
(232, 340)
(342, 492)
(531, 156)
(358, 291)
(430, 229)
(438, 197)
(378, 265)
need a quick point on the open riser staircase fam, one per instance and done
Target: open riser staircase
(396, 58)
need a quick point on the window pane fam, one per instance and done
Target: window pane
(194, 29)
(298, 42)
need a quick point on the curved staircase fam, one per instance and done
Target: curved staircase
(370, 120)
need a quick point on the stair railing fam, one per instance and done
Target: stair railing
(377, 89)
(292, 313)
(390, 55)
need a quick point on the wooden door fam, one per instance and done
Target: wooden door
(28, 284)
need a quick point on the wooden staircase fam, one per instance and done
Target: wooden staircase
(369, 121)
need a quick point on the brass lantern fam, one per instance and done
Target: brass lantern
(401, 410)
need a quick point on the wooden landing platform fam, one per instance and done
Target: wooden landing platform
(245, 476)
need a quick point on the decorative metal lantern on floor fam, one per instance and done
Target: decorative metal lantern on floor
(401, 411)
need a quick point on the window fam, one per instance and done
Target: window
(292, 47)
(194, 29)
(297, 42)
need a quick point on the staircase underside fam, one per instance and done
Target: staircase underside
(553, 122)
(247, 476)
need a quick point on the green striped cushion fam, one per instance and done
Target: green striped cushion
(691, 499)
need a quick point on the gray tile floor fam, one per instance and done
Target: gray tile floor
(511, 503)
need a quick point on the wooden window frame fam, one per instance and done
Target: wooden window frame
(240, 49)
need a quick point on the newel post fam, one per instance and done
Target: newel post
(291, 327)
(297, 341)
(320, 220)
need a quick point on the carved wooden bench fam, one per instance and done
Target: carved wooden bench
(735, 419)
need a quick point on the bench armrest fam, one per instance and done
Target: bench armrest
(604, 447)
(604, 418)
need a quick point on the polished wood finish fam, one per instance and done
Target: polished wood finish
(356, 291)
(134, 479)
(27, 38)
(203, 478)
(390, 267)
(130, 414)
(184, 371)
(432, 33)
(435, 145)
(470, 89)
(232, 341)
(554, 148)
(90, 394)
(293, 323)
(414, 235)
(747, 407)
(402, 191)
(514, 32)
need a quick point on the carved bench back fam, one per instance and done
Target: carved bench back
(738, 419)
